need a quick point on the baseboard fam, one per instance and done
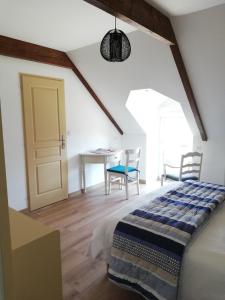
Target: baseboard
(78, 193)
(142, 181)
(74, 194)
(24, 211)
(90, 188)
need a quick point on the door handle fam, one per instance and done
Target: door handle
(63, 142)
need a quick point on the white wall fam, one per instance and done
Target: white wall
(87, 127)
(201, 37)
(151, 66)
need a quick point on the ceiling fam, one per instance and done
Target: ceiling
(60, 24)
(183, 7)
(71, 24)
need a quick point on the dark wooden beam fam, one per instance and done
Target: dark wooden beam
(96, 98)
(20, 49)
(32, 52)
(142, 15)
(139, 14)
(188, 89)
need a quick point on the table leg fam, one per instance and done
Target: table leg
(83, 179)
(105, 176)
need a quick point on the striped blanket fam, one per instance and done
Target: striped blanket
(149, 243)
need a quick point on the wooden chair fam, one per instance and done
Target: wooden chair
(189, 169)
(124, 175)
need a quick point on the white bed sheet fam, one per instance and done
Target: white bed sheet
(203, 269)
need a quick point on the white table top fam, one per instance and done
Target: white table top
(101, 153)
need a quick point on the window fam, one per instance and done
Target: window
(165, 127)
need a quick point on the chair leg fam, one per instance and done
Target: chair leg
(126, 184)
(120, 184)
(138, 183)
(109, 184)
(162, 180)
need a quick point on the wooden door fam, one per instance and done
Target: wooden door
(45, 139)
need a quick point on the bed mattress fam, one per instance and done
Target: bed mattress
(203, 269)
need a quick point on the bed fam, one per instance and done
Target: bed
(202, 275)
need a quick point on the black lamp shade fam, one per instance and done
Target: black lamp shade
(115, 46)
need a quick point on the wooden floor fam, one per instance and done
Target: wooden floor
(76, 218)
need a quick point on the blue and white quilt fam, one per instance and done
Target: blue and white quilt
(149, 243)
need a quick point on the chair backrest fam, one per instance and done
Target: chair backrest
(191, 165)
(132, 158)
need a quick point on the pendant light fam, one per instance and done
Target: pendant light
(115, 46)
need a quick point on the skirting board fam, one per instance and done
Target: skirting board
(71, 195)
(93, 187)
(142, 181)
(90, 188)
(77, 193)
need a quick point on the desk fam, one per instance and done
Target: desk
(97, 158)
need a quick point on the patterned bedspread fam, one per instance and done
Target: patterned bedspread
(149, 243)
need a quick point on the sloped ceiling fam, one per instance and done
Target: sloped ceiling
(202, 41)
(60, 24)
(201, 37)
(151, 66)
(183, 7)
(72, 24)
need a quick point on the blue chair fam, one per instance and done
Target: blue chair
(190, 168)
(124, 175)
